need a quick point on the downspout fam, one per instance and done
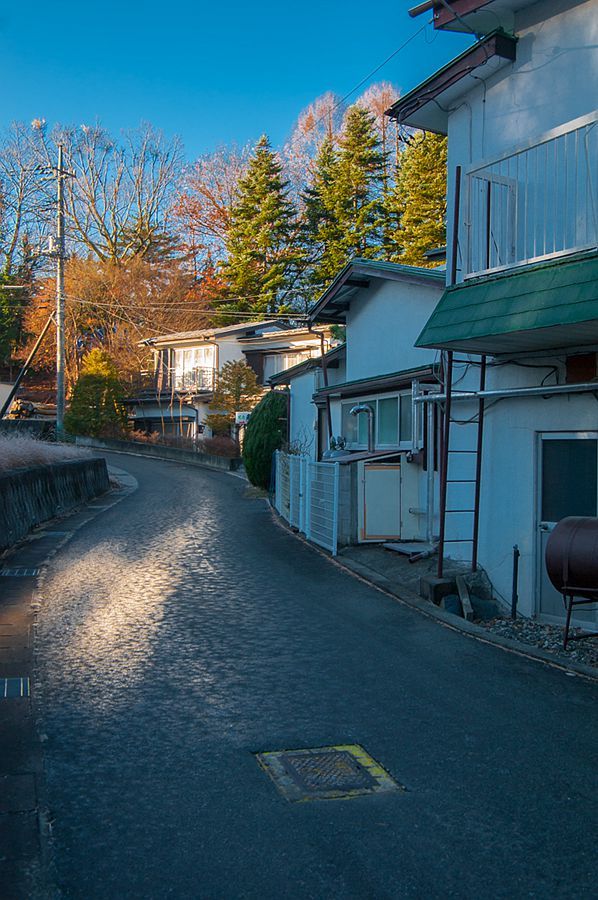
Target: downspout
(325, 374)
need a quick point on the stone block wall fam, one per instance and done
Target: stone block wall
(33, 495)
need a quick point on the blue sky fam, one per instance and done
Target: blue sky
(212, 73)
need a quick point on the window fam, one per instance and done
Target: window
(393, 418)
(388, 421)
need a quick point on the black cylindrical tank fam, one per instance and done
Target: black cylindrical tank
(572, 554)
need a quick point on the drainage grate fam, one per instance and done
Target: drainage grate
(13, 687)
(326, 773)
(18, 572)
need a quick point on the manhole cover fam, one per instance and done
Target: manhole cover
(326, 773)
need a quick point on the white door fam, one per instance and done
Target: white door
(568, 486)
(381, 508)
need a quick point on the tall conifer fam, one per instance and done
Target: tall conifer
(418, 202)
(343, 204)
(261, 245)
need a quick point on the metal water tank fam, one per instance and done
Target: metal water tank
(572, 554)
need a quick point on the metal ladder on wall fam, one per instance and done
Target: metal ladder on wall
(449, 455)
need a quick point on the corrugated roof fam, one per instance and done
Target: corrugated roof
(548, 305)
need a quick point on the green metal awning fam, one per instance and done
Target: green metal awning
(548, 305)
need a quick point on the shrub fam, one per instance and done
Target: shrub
(263, 435)
(96, 405)
(220, 446)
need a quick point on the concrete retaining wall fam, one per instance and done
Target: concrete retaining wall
(160, 451)
(33, 495)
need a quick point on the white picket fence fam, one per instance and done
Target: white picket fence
(307, 496)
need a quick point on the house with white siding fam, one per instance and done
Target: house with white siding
(175, 396)
(517, 326)
(354, 408)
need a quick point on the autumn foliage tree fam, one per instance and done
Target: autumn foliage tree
(237, 390)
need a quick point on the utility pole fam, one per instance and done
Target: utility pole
(60, 255)
(59, 297)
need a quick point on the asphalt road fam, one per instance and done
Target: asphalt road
(183, 631)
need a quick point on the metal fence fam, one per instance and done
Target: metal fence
(307, 496)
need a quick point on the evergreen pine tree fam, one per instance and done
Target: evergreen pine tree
(418, 202)
(96, 407)
(261, 245)
(324, 250)
(343, 204)
(360, 184)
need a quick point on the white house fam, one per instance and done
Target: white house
(175, 397)
(387, 462)
(518, 323)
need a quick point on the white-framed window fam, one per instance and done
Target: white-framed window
(393, 422)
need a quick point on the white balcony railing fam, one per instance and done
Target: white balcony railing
(536, 203)
(196, 379)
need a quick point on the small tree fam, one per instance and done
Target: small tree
(96, 406)
(264, 434)
(237, 391)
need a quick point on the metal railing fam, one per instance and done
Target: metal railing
(536, 203)
(307, 496)
(198, 379)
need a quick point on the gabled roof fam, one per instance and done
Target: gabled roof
(545, 306)
(206, 334)
(427, 105)
(357, 274)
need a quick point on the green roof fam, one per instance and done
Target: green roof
(547, 305)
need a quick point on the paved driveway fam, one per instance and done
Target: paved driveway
(183, 631)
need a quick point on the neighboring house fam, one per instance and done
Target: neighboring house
(385, 491)
(518, 323)
(175, 397)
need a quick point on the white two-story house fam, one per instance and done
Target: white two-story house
(518, 323)
(359, 400)
(174, 398)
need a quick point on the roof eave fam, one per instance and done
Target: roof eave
(421, 107)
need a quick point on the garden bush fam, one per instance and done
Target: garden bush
(263, 435)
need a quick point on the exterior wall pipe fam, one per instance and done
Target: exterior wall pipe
(478, 468)
(446, 431)
(325, 375)
(555, 389)
(430, 473)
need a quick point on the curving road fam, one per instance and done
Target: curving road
(183, 630)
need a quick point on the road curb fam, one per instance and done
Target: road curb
(26, 862)
(426, 608)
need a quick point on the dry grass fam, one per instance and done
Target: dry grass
(18, 451)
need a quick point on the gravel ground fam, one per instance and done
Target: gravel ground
(548, 637)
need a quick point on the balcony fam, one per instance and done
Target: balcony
(193, 380)
(535, 204)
